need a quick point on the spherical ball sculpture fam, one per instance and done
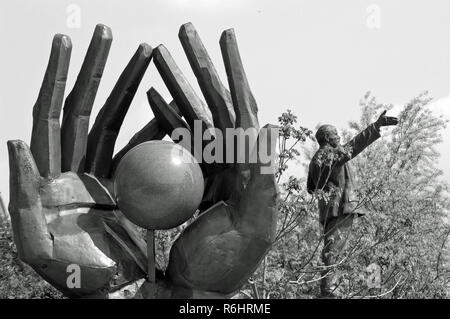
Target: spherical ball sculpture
(158, 185)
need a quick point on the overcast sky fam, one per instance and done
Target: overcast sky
(317, 58)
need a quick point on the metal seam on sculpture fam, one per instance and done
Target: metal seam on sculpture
(75, 205)
(218, 204)
(103, 187)
(48, 261)
(124, 246)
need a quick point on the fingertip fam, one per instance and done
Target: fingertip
(228, 33)
(227, 36)
(186, 28)
(16, 148)
(158, 53)
(11, 143)
(152, 92)
(103, 31)
(166, 116)
(24, 174)
(62, 41)
(154, 98)
(161, 48)
(145, 50)
(20, 154)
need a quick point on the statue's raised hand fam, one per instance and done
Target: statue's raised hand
(63, 216)
(384, 120)
(222, 248)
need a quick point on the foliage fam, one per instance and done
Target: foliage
(18, 280)
(406, 203)
(400, 187)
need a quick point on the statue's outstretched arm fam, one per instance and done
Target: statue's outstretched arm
(370, 134)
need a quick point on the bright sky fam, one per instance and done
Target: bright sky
(316, 57)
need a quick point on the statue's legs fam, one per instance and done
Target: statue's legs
(337, 230)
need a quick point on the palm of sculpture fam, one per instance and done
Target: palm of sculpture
(68, 218)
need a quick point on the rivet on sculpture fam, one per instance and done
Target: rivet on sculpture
(65, 188)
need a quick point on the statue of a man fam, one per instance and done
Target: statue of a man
(330, 176)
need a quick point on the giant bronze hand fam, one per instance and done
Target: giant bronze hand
(222, 248)
(64, 218)
(68, 218)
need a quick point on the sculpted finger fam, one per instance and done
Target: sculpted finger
(78, 105)
(176, 128)
(172, 123)
(46, 134)
(216, 95)
(191, 107)
(258, 205)
(245, 107)
(264, 153)
(102, 138)
(28, 222)
(166, 116)
(244, 103)
(151, 131)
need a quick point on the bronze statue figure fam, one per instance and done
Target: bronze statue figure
(330, 176)
(62, 204)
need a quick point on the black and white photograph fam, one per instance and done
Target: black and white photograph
(247, 151)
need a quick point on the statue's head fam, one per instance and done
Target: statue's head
(328, 135)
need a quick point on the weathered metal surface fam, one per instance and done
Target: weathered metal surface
(158, 185)
(62, 219)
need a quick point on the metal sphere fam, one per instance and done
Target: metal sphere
(158, 185)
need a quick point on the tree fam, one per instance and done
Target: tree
(403, 238)
(401, 189)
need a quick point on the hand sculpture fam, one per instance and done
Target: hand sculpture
(62, 205)
(61, 211)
